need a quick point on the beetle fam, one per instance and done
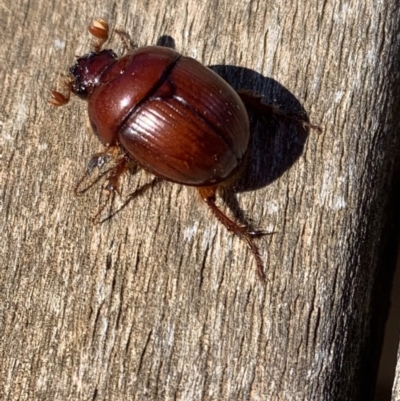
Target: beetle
(168, 114)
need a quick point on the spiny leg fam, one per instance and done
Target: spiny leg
(139, 191)
(254, 101)
(111, 187)
(120, 165)
(208, 194)
(98, 160)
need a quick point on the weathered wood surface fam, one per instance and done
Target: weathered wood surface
(388, 376)
(162, 303)
(396, 384)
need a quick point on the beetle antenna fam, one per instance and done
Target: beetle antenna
(58, 98)
(99, 29)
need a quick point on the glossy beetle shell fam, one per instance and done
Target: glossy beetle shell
(172, 115)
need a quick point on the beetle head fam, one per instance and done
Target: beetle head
(88, 70)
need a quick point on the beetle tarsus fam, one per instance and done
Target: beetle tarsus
(259, 233)
(256, 254)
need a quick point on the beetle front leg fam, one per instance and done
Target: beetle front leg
(208, 194)
(111, 187)
(135, 194)
(98, 160)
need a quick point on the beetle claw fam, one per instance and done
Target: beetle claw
(248, 231)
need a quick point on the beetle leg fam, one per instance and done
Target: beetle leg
(208, 194)
(116, 173)
(254, 101)
(99, 30)
(111, 187)
(139, 191)
(98, 160)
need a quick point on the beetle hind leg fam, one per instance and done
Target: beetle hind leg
(255, 102)
(247, 234)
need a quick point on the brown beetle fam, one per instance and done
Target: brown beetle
(168, 114)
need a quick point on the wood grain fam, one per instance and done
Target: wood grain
(160, 302)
